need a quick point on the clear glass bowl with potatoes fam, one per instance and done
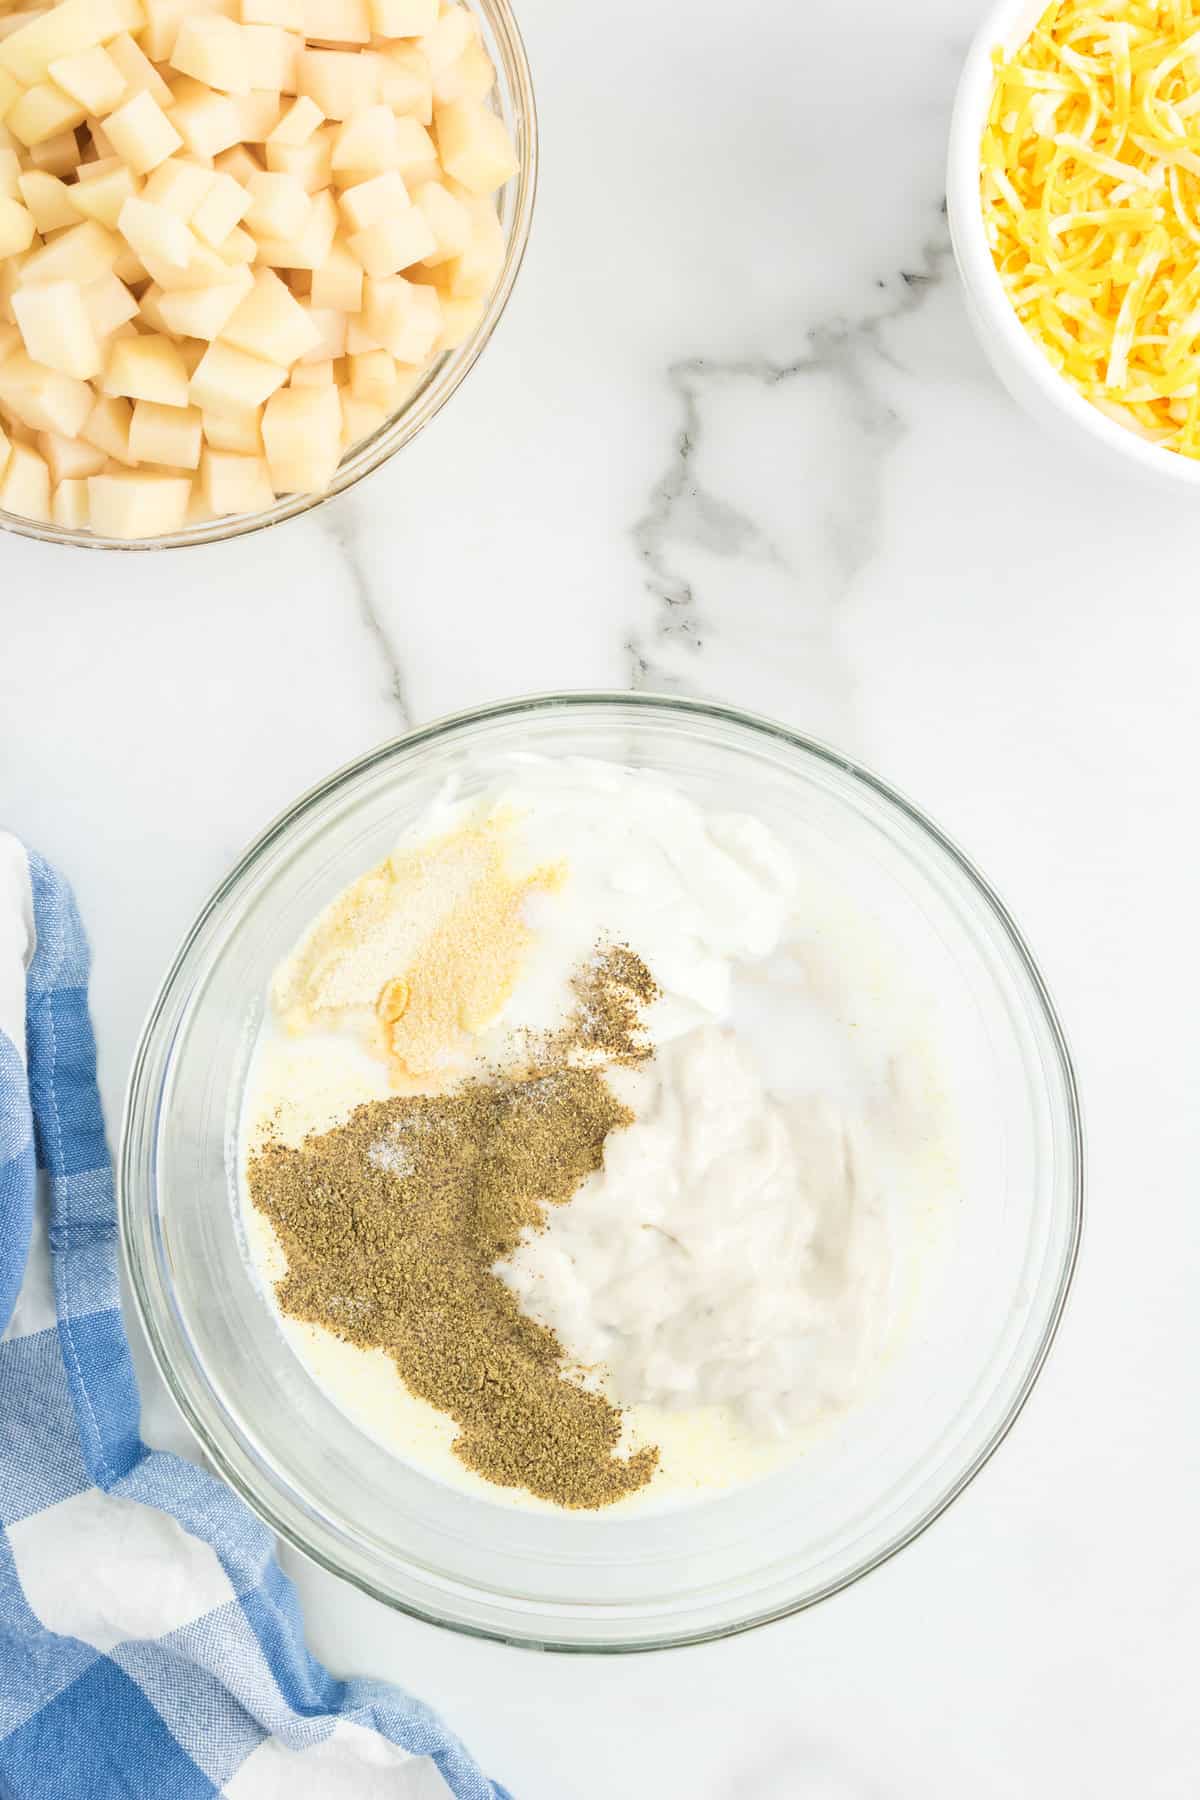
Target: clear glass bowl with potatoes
(248, 248)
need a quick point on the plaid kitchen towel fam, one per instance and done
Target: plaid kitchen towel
(150, 1647)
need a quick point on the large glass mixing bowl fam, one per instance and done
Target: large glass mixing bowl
(869, 1484)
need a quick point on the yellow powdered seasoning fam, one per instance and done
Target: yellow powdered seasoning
(420, 955)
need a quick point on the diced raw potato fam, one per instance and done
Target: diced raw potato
(43, 112)
(302, 436)
(238, 247)
(341, 82)
(258, 115)
(239, 163)
(48, 199)
(10, 174)
(165, 434)
(272, 57)
(146, 368)
(207, 122)
(54, 323)
(405, 81)
(84, 253)
(338, 282)
(373, 377)
(103, 196)
(235, 484)
(358, 339)
(57, 155)
(204, 312)
(41, 398)
(25, 485)
(228, 380)
(395, 243)
(209, 48)
(402, 316)
(330, 327)
(137, 505)
(74, 25)
(91, 77)
(474, 272)
(163, 19)
(403, 18)
(279, 206)
(360, 419)
(452, 32)
(312, 374)
(309, 162)
(69, 459)
(337, 21)
(472, 77)
(9, 90)
(375, 201)
(141, 76)
(192, 351)
(369, 142)
(223, 207)
(287, 13)
(155, 233)
(447, 218)
(10, 340)
(109, 305)
(203, 269)
(309, 250)
(16, 227)
(141, 133)
(178, 187)
(107, 427)
(298, 123)
(271, 324)
(240, 432)
(474, 145)
(150, 307)
(69, 506)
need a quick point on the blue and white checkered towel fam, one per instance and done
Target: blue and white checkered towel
(150, 1647)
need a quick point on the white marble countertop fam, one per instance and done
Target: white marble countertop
(734, 438)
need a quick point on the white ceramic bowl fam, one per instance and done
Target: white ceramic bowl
(1013, 354)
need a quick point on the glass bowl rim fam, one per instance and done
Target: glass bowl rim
(438, 383)
(138, 1096)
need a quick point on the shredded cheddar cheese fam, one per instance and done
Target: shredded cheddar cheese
(1090, 186)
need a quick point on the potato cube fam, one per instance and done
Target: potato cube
(238, 432)
(368, 142)
(146, 368)
(10, 89)
(258, 115)
(10, 340)
(373, 377)
(337, 21)
(10, 174)
(474, 272)
(84, 253)
(103, 196)
(298, 123)
(341, 82)
(472, 77)
(302, 436)
(337, 283)
(308, 163)
(235, 484)
(330, 327)
(270, 323)
(238, 247)
(204, 312)
(165, 434)
(61, 31)
(25, 485)
(43, 399)
(405, 81)
(402, 317)
(223, 207)
(453, 32)
(163, 19)
(48, 199)
(288, 14)
(107, 427)
(207, 123)
(69, 459)
(109, 305)
(474, 145)
(360, 419)
(312, 374)
(43, 112)
(91, 78)
(359, 341)
(141, 76)
(57, 331)
(309, 250)
(447, 218)
(69, 506)
(279, 206)
(403, 18)
(239, 163)
(57, 155)
(16, 227)
(209, 48)
(372, 202)
(272, 57)
(229, 380)
(155, 233)
(178, 187)
(135, 505)
(394, 243)
(141, 134)
(204, 268)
